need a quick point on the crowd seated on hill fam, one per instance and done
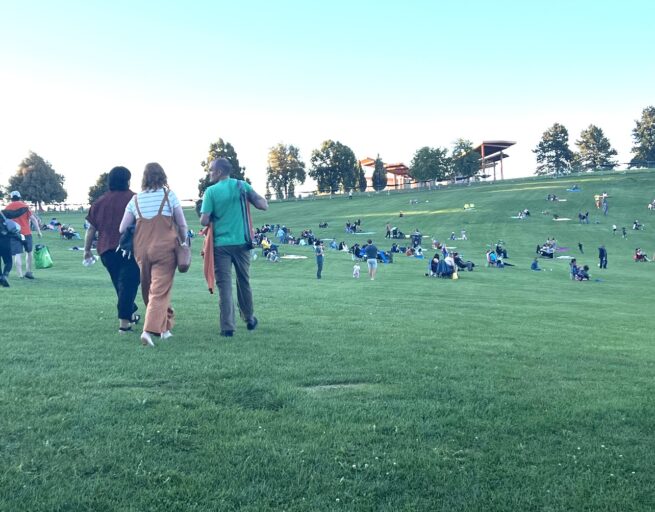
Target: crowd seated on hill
(651, 205)
(53, 225)
(359, 253)
(494, 259)
(285, 236)
(548, 249)
(269, 250)
(354, 227)
(523, 213)
(640, 255)
(441, 267)
(308, 236)
(322, 225)
(396, 233)
(637, 225)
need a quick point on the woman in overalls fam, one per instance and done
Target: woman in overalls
(160, 225)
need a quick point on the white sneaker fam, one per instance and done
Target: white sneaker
(146, 339)
(166, 334)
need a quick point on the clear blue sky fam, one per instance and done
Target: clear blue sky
(89, 84)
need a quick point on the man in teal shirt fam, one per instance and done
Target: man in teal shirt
(222, 206)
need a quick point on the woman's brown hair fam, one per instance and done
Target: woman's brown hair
(154, 177)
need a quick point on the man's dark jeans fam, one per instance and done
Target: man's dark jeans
(126, 277)
(224, 257)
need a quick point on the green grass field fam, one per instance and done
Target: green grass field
(506, 390)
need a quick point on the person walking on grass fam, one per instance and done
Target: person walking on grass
(160, 226)
(20, 212)
(9, 231)
(371, 252)
(222, 206)
(320, 253)
(602, 257)
(104, 220)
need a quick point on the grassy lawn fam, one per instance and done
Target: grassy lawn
(506, 390)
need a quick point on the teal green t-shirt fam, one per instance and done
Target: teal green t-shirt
(222, 202)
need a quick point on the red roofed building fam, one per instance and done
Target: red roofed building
(397, 174)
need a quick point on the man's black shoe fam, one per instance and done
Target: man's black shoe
(227, 334)
(252, 325)
(3, 282)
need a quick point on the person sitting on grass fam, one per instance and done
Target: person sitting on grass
(272, 255)
(444, 270)
(573, 268)
(450, 261)
(535, 265)
(356, 251)
(461, 264)
(583, 274)
(434, 264)
(491, 258)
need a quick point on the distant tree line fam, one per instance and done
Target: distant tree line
(335, 168)
(594, 151)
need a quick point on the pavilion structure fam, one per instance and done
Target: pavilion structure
(397, 174)
(491, 153)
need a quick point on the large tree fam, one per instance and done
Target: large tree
(644, 140)
(465, 162)
(38, 182)
(218, 149)
(594, 150)
(285, 169)
(429, 164)
(334, 167)
(100, 187)
(361, 178)
(553, 153)
(379, 177)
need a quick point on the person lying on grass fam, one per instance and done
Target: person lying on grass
(640, 255)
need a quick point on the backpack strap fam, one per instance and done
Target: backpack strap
(245, 212)
(163, 202)
(136, 204)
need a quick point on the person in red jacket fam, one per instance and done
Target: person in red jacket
(20, 213)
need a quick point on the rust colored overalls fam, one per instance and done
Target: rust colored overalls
(154, 250)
